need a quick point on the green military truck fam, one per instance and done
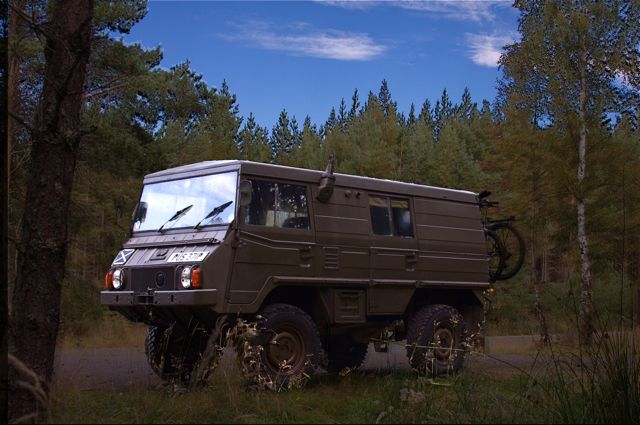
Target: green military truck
(317, 264)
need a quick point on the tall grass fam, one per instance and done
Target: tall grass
(599, 384)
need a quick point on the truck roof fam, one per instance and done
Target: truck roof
(311, 176)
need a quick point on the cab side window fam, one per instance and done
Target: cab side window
(380, 215)
(278, 205)
(390, 216)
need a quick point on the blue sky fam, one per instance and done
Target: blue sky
(305, 56)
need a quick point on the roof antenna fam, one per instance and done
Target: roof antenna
(327, 182)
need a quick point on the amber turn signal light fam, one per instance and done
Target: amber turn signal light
(108, 279)
(195, 277)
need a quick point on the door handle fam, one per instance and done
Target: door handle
(412, 258)
(306, 253)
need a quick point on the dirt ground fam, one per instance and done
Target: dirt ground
(96, 368)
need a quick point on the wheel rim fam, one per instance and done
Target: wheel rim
(443, 341)
(285, 348)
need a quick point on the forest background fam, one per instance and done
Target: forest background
(572, 75)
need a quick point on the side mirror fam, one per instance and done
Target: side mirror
(327, 182)
(246, 191)
(140, 212)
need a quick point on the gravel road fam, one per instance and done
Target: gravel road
(125, 367)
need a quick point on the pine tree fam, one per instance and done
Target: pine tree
(441, 113)
(309, 154)
(343, 118)
(466, 107)
(253, 141)
(355, 104)
(426, 115)
(384, 98)
(332, 122)
(412, 120)
(296, 134)
(35, 316)
(281, 140)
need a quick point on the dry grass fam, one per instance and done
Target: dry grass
(110, 332)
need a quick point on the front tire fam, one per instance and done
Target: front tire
(285, 350)
(172, 353)
(435, 340)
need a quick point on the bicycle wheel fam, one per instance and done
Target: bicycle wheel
(513, 243)
(495, 252)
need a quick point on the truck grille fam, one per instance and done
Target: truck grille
(162, 278)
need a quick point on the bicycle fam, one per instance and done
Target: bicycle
(505, 244)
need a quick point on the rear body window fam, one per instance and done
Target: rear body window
(390, 216)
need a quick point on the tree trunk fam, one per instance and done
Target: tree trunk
(16, 28)
(586, 301)
(537, 260)
(16, 32)
(537, 290)
(4, 217)
(43, 244)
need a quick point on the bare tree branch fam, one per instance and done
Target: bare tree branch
(102, 90)
(35, 26)
(36, 388)
(20, 121)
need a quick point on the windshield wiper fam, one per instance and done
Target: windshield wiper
(214, 212)
(176, 216)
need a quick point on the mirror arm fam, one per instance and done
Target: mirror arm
(327, 182)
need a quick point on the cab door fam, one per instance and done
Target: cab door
(393, 254)
(276, 238)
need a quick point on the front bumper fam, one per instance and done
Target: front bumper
(160, 298)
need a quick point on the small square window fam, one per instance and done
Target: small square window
(390, 216)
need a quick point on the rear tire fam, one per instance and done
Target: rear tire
(435, 340)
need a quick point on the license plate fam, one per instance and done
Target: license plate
(181, 257)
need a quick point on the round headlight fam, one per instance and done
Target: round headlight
(118, 279)
(185, 277)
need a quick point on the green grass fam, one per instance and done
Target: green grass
(598, 384)
(387, 397)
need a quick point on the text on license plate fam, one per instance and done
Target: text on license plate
(179, 257)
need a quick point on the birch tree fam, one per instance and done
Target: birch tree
(585, 57)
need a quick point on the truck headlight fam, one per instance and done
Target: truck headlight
(190, 277)
(118, 279)
(185, 277)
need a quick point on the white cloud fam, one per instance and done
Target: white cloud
(328, 44)
(349, 4)
(486, 49)
(463, 10)
(478, 10)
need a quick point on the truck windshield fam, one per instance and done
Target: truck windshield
(188, 202)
